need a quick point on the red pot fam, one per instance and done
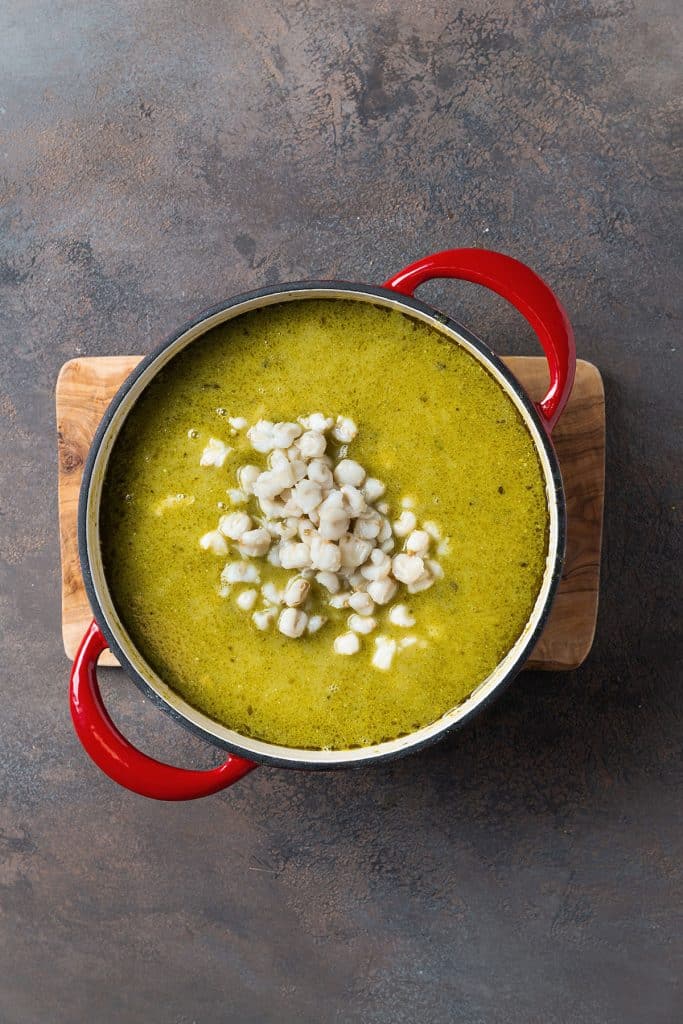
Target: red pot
(100, 737)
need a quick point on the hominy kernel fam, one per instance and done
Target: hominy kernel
(246, 600)
(234, 525)
(349, 472)
(315, 622)
(407, 568)
(347, 643)
(328, 580)
(362, 624)
(265, 618)
(292, 622)
(215, 453)
(296, 591)
(399, 615)
(255, 542)
(405, 523)
(362, 603)
(418, 543)
(214, 541)
(385, 649)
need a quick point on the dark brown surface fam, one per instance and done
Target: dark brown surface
(157, 157)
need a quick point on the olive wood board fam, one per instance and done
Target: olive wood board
(86, 386)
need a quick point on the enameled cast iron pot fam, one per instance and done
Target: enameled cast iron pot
(100, 737)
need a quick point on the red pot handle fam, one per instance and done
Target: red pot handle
(118, 758)
(526, 291)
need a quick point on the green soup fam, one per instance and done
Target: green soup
(433, 425)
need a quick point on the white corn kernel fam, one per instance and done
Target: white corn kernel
(335, 499)
(385, 532)
(349, 472)
(273, 556)
(234, 525)
(407, 568)
(346, 643)
(382, 591)
(273, 482)
(400, 615)
(237, 422)
(173, 501)
(432, 529)
(407, 503)
(237, 496)
(373, 489)
(294, 556)
(246, 600)
(363, 624)
(240, 572)
(405, 523)
(255, 543)
(316, 421)
(418, 543)
(308, 495)
(367, 527)
(265, 618)
(261, 436)
(292, 507)
(278, 459)
(434, 568)
(345, 430)
(292, 622)
(383, 507)
(315, 622)
(299, 469)
(409, 641)
(213, 541)
(328, 580)
(215, 453)
(271, 594)
(286, 529)
(362, 603)
(334, 522)
(385, 649)
(273, 509)
(387, 545)
(306, 531)
(340, 600)
(324, 554)
(354, 551)
(285, 434)
(296, 591)
(312, 444)
(424, 582)
(378, 567)
(321, 474)
(247, 476)
(353, 501)
(355, 580)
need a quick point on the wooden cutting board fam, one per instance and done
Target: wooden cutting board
(86, 386)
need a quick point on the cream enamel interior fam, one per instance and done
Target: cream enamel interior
(258, 748)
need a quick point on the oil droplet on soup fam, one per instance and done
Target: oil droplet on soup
(433, 424)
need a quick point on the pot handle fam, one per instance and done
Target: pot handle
(526, 291)
(118, 758)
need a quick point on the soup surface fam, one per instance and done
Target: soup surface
(434, 426)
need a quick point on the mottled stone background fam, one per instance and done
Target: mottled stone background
(156, 157)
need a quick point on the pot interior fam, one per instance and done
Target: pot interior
(150, 681)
